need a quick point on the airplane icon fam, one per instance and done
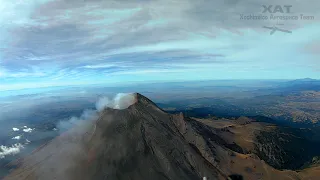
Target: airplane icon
(274, 29)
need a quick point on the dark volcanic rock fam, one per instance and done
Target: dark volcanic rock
(141, 142)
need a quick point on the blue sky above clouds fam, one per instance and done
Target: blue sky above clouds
(46, 43)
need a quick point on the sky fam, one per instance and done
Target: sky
(49, 43)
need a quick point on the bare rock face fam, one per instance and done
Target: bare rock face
(180, 123)
(143, 142)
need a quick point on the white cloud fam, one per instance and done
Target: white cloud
(28, 130)
(14, 149)
(101, 66)
(15, 129)
(17, 137)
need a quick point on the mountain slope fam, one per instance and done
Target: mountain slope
(144, 142)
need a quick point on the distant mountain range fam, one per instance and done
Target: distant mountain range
(294, 102)
(145, 142)
(306, 84)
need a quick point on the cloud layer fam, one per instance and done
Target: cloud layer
(65, 42)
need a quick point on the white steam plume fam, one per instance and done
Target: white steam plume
(86, 115)
(120, 101)
(71, 147)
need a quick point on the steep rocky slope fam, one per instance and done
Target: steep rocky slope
(144, 142)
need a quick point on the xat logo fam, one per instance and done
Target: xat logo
(276, 9)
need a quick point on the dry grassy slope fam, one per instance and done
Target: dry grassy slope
(243, 132)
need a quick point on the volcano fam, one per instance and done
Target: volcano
(144, 142)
